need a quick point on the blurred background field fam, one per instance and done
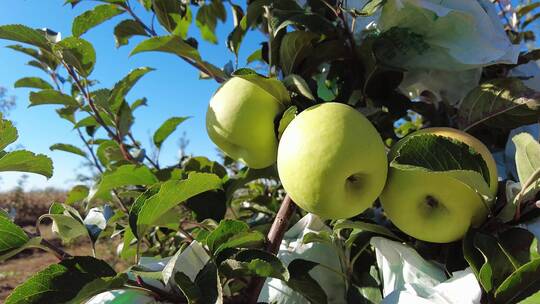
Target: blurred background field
(27, 206)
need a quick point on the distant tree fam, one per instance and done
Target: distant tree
(7, 102)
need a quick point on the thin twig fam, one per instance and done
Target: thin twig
(274, 238)
(97, 116)
(57, 251)
(93, 155)
(91, 150)
(270, 40)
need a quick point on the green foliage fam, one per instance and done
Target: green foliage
(60, 282)
(313, 54)
(94, 17)
(32, 82)
(500, 103)
(166, 129)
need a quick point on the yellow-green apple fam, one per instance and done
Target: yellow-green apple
(240, 119)
(332, 161)
(438, 207)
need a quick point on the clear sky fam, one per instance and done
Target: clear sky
(172, 90)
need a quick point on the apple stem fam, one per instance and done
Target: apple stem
(274, 238)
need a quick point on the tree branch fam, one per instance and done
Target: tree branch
(274, 238)
(57, 251)
(97, 116)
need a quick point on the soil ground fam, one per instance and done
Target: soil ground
(19, 268)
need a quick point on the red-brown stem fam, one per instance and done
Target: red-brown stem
(274, 238)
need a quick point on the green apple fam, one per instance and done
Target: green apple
(437, 207)
(240, 119)
(332, 161)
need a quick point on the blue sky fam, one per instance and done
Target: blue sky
(172, 90)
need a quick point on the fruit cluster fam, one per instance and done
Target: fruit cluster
(332, 161)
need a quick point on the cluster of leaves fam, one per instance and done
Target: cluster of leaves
(221, 213)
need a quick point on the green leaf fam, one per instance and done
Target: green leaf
(247, 239)
(24, 34)
(25, 161)
(60, 282)
(34, 242)
(68, 148)
(517, 244)
(204, 165)
(122, 88)
(98, 286)
(527, 156)
(94, 17)
(207, 17)
(128, 246)
(137, 206)
(286, 119)
(297, 84)
(42, 58)
(246, 176)
(109, 153)
(77, 194)
(51, 97)
(489, 260)
(33, 82)
(439, 154)
(169, 13)
(524, 282)
(281, 18)
(8, 133)
(124, 119)
(168, 44)
(234, 40)
(208, 205)
(295, 47)
(78, 53)
(11, 235)
(524, 10)
(166, 129)
(206, 289)
(224, 231)
(324, 237)
(122, 176)
(500, 103)
(370, 8)
(126, 29)
(172, 193)
(177, 46)
(138, 103)
(471, 254)
(363, 226)
(66, 227)
(301, 282)
(254, 262)
(255, 56)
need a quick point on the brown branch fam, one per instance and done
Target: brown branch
(97, 116)
(274, 238)
(57, 251)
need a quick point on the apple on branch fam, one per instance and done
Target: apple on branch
(332, 161)
(240, 118)
(441, 182)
